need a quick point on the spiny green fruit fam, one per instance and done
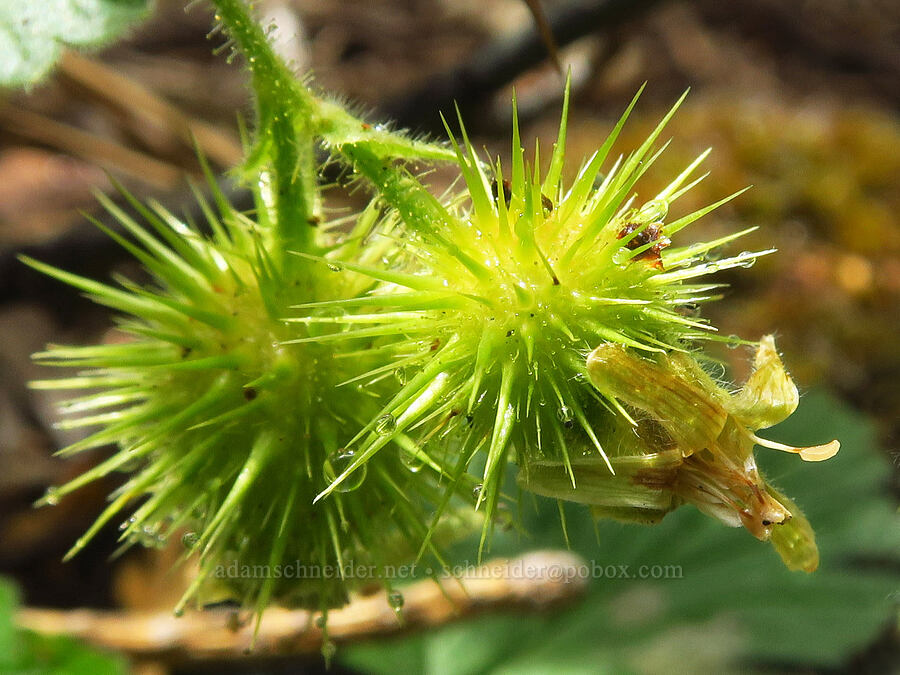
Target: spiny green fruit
(227, 425)
(227, 428)
(502, 297)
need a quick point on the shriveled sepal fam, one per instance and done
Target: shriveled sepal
(712, 433)
(769, 396)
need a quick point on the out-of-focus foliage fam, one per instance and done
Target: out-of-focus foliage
(735, 605)
(32, 34)
(825, 195)
(23, 652)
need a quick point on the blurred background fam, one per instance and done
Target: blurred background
(799, 100)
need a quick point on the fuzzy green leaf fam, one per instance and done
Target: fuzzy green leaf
(32, 34)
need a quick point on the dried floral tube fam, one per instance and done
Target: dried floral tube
(711, 429)
(641, 482)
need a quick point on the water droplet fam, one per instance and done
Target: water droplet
(734, 341)
(395, 600)
(654, 210)
(321, 621)
(691, 310)
(151, 537)
(334, 268)
(402, 376)
(190, 539)
(413, 462)
(128, 523)
(339, 462)
(565, 416)
(385, 425)
(476, 491)
(178, 613)
(51, 496)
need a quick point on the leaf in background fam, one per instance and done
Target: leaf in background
(9, 598)
(24, 652)
(33, 32)
(735, 605)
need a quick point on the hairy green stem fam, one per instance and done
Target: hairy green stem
(284, 110)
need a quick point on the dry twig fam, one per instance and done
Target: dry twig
(536, 581)
(126, 94)
(101, 151)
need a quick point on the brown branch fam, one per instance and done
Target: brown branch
(499, 62)
(536, 581)
(546, 31)
(101, 151)
(125, 94)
